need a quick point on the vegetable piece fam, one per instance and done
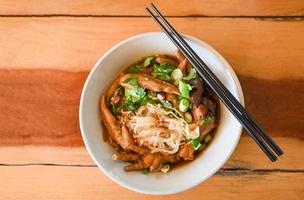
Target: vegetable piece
(145, 171)
(162, 72)
(202, 147)
(184, 88)
(135, 96)
(184, 105)
(177, 75)
(148, 61)
(135, 69)
(131, 81)
(150, 83)
(194, 133)
(196, 144)
(191, 75)
(206, 121)
(207, 138)
(165, 168)
(188, 117)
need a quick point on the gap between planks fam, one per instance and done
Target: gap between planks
(223, 171)
(265, 17)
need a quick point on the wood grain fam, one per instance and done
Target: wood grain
(41, 106)
(48, 48)
(246, 156)
(169, 7)
(261, 49)
(88, 183)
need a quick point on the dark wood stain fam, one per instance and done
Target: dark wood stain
(276, 105)
(40, 107)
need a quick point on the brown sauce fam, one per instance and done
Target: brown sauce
(210, 95)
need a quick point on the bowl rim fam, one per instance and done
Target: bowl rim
(239, 129)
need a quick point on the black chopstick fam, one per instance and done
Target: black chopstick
(215, 86)
(259, 130)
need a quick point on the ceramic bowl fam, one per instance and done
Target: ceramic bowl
(182, 178)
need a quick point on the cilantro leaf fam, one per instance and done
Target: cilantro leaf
(164, 68)
(145, 171)
(207, 120)
(132, 81)
(148, 61)
(135, 69)
(162, 72)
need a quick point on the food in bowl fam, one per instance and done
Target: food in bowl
(158, 112)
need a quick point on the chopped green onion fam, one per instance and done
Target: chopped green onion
(207, 138)
(188, 117)
(191, 75)
(196, 144)
(184, 88)
(207, 120)
(148, 61)
(145, 171)
(165, 168)
(135, 69)
(132, 81)
(202, 147)
(177, 75)
(184, 105)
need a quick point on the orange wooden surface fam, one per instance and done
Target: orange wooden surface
(48, 48)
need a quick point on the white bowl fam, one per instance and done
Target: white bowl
(182, 178)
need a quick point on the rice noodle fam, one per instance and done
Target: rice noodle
(158, 129)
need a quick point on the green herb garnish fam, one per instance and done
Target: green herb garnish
(148, 61)
(145, 171)
(177, 75)
(202, 147)
(135, 69)
(135, 96)
(184, 88)
(162, 72)
(206, 121)
(207, 138)
(196, 144)
(132, 81)
(184, 105)
(191, 75)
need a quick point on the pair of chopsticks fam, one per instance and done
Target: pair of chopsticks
(254, 130)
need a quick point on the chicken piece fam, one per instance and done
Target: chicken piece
(111, 90)
(118, 134)
(153, 162)
(182, 66)
(166, 60)
(204, 130)
(199, 112)
(151, 83)
(180, 57)
(173, 99)
(126, 156)
(128, 142)
(197, 92)
(139, 165)
(110, 122)
(187, 152)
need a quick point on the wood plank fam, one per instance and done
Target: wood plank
(134, 8)
(49, 182)
(26, 120)
(271, 49)
(246, 156)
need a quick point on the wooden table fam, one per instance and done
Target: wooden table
(48, 48)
